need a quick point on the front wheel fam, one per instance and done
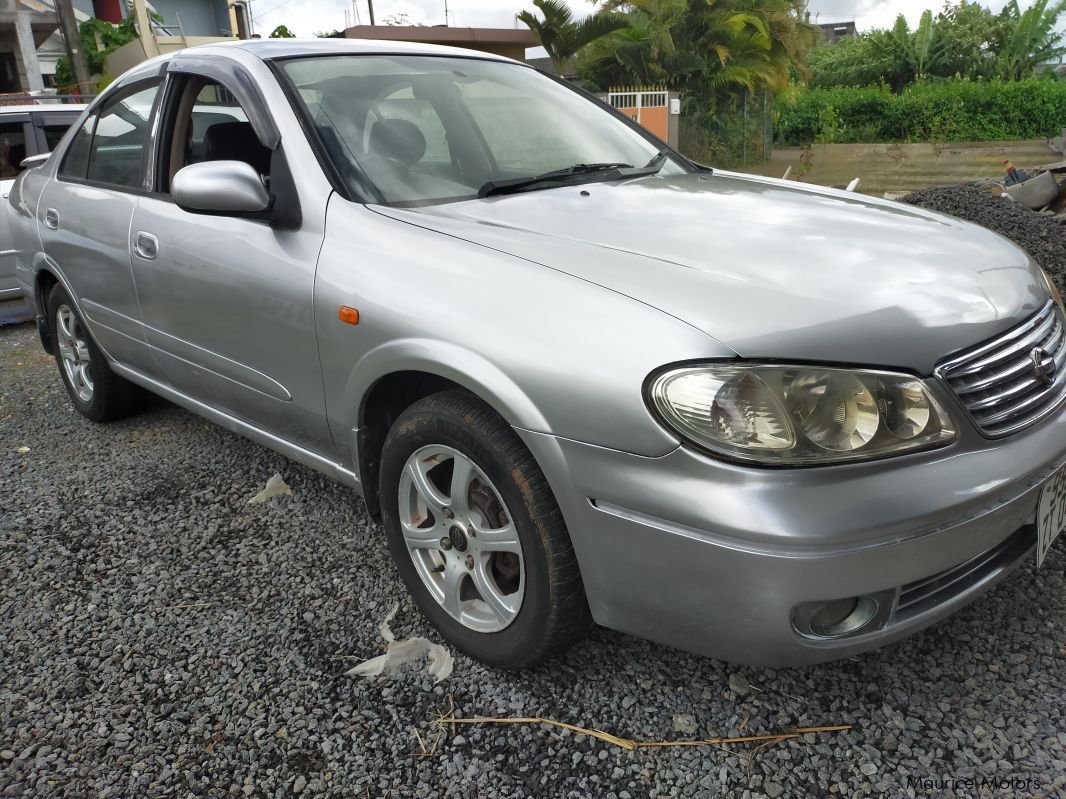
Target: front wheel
(477, 535)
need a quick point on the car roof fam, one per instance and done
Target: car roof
(73, 108)
(287, 48)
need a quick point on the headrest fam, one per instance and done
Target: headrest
(399, 139)
(236, 141)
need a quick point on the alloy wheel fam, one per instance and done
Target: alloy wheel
(461, 538)
(74, 352)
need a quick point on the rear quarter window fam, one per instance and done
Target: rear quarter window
(75, 162)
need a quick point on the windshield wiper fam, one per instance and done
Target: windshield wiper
(659, 161)
(578, 172)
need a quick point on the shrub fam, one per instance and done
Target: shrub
(947, 111)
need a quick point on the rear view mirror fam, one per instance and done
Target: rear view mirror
(226, 188)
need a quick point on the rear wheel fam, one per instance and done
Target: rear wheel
(477, 535)
(97, 392)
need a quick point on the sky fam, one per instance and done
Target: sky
(307, 17)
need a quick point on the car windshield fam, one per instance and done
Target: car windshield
(416, 130)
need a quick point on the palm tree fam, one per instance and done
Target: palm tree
(563, 36)
(1032, 39)
(647, 48)
(710, 44)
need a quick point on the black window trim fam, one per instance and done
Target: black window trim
(94, 113)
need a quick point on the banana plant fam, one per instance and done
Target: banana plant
(562, 35)
(1033, 39)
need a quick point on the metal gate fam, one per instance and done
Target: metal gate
(647, 107)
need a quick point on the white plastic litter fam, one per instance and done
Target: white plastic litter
(22, 450)
(275, 486)
(398, 653)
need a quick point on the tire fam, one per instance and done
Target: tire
(96, 392)
(536, 606)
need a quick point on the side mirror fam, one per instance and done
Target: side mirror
(226, 188)
(35, 160)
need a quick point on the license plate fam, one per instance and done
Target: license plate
(1050, 514)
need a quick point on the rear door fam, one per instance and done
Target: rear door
(15, 131)
(84, 217)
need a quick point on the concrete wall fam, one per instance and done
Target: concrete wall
(198, 17)
(133, 53)
(905, 167)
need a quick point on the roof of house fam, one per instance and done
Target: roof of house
(440, 34)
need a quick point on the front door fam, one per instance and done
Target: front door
(227, 302)
(84, 218)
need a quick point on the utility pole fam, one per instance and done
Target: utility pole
(370, 3)
(68, 24)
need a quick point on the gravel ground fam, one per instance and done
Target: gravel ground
(1043, 237)
(161, 637)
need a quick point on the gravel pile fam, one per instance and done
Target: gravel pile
(1043, 237)
(161, 637)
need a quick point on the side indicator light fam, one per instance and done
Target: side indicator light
(350, 316)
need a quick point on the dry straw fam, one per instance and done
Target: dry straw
(630, 745)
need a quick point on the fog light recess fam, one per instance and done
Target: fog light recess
(837, 618)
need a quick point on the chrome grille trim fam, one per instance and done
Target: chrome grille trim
(997, 383)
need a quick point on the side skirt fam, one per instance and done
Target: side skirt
(243, 428)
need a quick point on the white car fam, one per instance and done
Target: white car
(25, 131)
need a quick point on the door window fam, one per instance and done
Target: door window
(119, 139)
(12, 149)
(211, 125)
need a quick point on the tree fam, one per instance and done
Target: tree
(705, 47)
(563, 36)
(971, 37)
(854, 61)
(965, 40)
(401, 19)
(911, 55)
(1032, 39)
(98, 40)
(282, 32)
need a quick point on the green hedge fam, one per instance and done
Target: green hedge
(948, 111)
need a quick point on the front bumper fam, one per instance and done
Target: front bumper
(713, 558)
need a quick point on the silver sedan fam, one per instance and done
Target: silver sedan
(576, 376)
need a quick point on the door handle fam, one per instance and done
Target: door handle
(146, 245)
(51, 219)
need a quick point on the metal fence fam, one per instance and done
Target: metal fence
(737, 132)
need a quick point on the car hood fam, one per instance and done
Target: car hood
(768, 268)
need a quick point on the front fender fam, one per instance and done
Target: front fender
(450, 361)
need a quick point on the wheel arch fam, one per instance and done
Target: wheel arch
(44, 281)
(391, 378)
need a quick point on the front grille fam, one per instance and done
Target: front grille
(923, 595)
(999, 382)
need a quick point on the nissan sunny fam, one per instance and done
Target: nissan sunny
(577, 377)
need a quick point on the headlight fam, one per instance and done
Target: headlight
(790, 415)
